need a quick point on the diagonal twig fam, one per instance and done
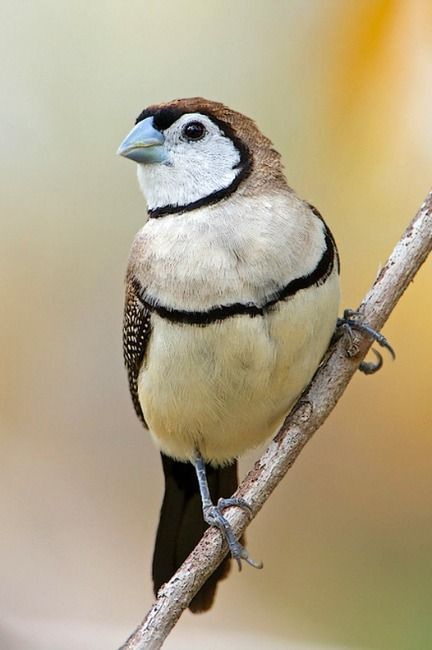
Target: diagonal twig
(313, 407)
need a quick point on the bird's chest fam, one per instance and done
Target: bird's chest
(225, 387)
(198, 264)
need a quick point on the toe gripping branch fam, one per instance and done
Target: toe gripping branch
(214, 517)
(345, 327)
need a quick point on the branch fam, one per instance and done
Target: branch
(311, 410)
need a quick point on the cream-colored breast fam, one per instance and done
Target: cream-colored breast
(241, 250)
(223, 388)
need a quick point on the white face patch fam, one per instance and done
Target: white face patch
(194, 169)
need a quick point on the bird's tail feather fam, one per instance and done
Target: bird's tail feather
(181, 523)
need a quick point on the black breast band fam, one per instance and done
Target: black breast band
(220, 312)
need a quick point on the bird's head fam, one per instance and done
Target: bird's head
(195, 152)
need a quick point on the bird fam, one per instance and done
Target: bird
(232, 295)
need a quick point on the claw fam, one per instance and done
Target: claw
(242, 554)
(222, 504)
(214, 517)
(348, 323)
(253, 563)
(369, 367)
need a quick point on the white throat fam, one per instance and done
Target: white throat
(191, 172)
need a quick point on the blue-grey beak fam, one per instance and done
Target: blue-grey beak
(144, 144)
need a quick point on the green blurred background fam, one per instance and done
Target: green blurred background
(344, 89)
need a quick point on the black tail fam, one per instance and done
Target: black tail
(181, 523)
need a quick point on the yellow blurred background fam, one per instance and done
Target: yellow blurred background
(344, 89)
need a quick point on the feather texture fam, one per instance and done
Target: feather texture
(231, 300)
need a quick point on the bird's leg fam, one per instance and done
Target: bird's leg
(346, 325)
(213, 515)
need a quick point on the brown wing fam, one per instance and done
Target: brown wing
(136, 334)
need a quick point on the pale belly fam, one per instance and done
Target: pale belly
(226, 387)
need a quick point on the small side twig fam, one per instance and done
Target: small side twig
(307, 416)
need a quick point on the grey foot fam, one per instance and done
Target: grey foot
(214, 517)
(347, 324)
(234, 501)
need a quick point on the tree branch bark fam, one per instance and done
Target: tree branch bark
(311, 410)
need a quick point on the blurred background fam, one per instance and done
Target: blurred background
(344, 89)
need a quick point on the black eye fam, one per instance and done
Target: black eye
(193, 131)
